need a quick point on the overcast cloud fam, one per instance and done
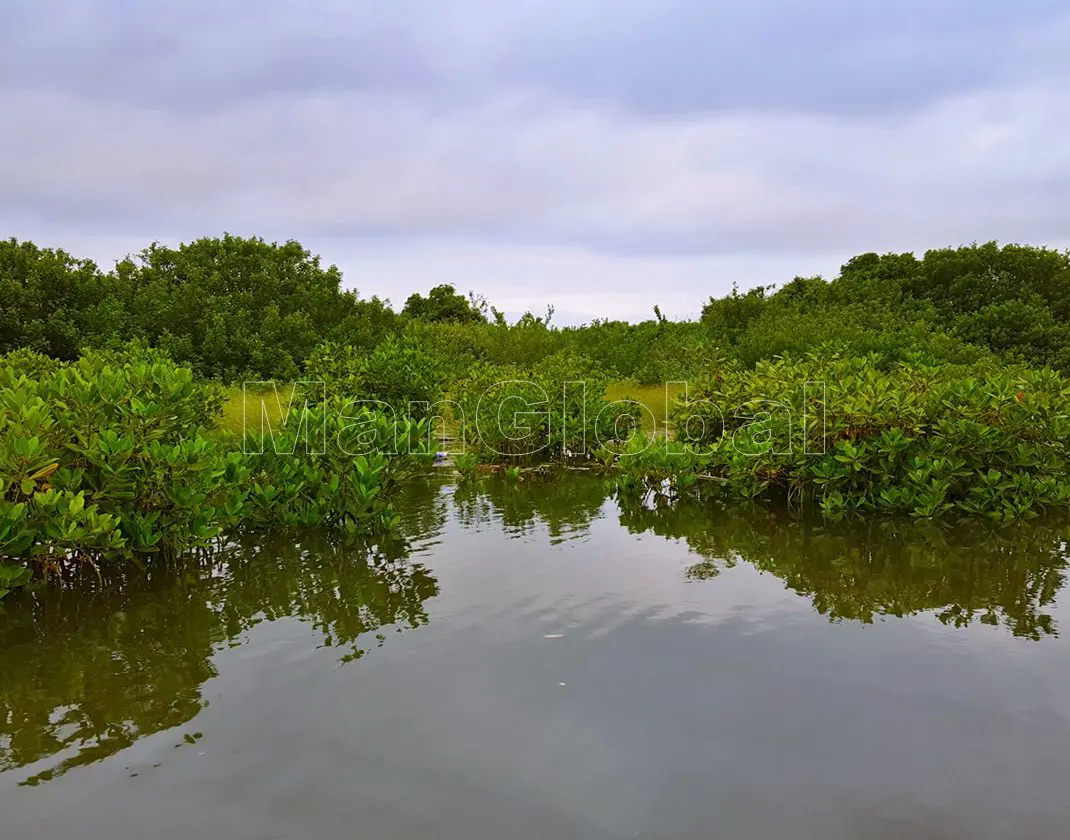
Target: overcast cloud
(602, 156)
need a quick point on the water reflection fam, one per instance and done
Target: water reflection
(971, 572)
(89, 671)
(564, 503)
(859, 571)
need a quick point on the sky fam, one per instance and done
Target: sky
(602, 156)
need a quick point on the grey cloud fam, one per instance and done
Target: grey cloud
(653, 56)
(842, 56)
(541, 172)
(661, 138)
(197, 57)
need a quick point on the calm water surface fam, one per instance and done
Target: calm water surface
(539, 661)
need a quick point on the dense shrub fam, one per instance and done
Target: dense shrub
(230, 308)
(109, 457)
(866, 433)
(99, 458)
(1013, 300)
(234, 308)
(649, 352)
(335, 464)
(49, 300)
(457, 348)
(338, 366)
(403, 373)
(557, 409)
(444, 305)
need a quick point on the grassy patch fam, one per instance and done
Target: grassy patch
(233, 417)
(653, 397)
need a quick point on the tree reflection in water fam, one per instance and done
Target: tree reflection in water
(89, 669)
(94, 670)
(963, 573)
(968, 572)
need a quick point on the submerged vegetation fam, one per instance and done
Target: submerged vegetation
(922, 386)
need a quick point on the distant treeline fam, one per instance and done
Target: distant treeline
(234, 308)
(938, 396)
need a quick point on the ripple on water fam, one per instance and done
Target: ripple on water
(537, 659)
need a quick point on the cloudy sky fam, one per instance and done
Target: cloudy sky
(600, 155)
